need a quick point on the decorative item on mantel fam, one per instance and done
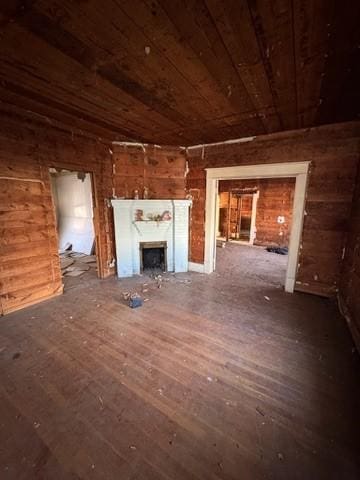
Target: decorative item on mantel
(152, 217)
(166, 216)
(146, 193)
(136, 194)
(139, 215)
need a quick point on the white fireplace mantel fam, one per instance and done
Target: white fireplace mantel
(129, 233)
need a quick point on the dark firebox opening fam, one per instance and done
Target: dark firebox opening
(153, 258)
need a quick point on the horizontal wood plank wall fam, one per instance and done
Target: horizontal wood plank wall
(350, 277)
(276, 197)
(333, 151)
(161, 170)
(29, 262)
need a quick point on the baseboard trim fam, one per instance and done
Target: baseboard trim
(196, 267)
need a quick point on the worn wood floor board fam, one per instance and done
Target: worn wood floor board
(208, 380)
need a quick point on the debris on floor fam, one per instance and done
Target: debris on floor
(279, 250)
(65, 262)
(135, 300)
(74, 264)
(187, 280)
(88, 259)
(159, 280)
(74, 273)
(126, 295)
(78, 266)
(258, 409)
(144, 291)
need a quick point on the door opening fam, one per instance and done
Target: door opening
(296, 170)
(237, 215)
(73, 200)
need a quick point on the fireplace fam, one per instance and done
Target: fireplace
(150, 234)
(153, 256)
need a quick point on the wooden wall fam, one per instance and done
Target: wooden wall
(334, 154)
(276, 197)
(29, 263)
(161, 170)
(349, 294)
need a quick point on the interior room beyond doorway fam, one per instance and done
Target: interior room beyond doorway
(73, 203)
(256, 211)
(255, 215)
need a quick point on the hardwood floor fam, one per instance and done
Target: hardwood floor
(208, 380)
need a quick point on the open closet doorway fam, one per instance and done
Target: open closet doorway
(73, 198)
(237, 215)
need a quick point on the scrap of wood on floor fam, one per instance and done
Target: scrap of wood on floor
(74, 264)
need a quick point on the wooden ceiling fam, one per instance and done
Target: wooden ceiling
(180, 71)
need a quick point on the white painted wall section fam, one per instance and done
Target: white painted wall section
(74, 211)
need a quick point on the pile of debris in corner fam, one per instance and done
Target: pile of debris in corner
(74, 264)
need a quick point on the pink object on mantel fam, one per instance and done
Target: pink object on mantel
(166, 215)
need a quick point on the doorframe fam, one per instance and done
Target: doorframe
(299, 170)
(95, 210)
(255, 199)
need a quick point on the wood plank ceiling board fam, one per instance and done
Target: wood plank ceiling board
(50, 74)
(48, 113)
(156, 24)
(110, 67)
(171, 85)
(273, 24)
(312, 24)
(182, 72)
(233, 22)
(74, 81)
(194, 20)
(340, 93)
(129, 62)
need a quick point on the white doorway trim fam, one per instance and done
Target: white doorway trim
(253, 217)
(299, 170)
